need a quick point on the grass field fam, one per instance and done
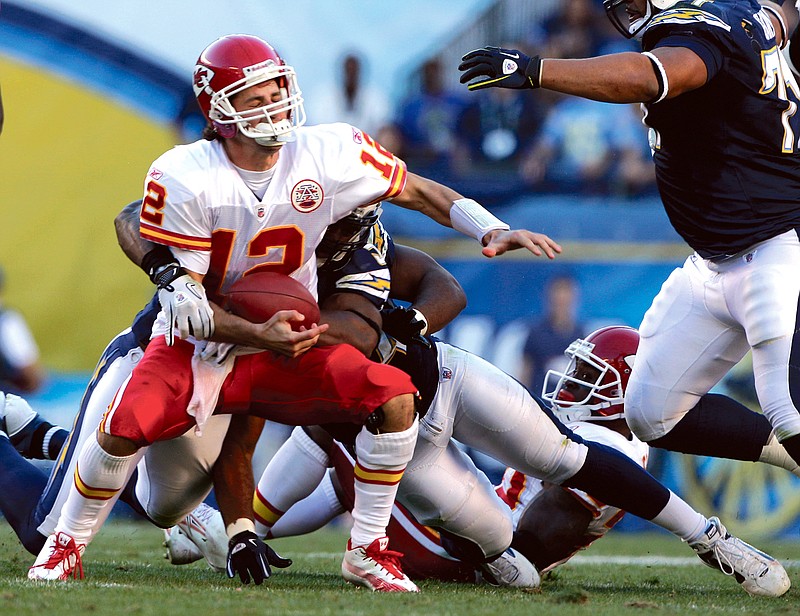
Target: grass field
(624, 574)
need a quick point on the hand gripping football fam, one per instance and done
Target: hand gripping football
(258, 296)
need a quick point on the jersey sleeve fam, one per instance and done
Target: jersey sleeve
(702, 32)
(172, 214)
(366, 171)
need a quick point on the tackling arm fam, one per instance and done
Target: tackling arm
(352, 319)
(234, 486)
(127, 227)
(233, 472)
(419, 279)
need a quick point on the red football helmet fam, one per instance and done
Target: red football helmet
(593, 386)
(232, 64)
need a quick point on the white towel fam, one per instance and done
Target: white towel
(211, 365)
(210, 368)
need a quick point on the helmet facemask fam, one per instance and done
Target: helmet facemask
(590, 389)
(620, 17)
(270, 131)
(344, 237)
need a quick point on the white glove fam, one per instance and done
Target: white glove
(185, 305)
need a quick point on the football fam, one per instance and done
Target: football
(258, 296)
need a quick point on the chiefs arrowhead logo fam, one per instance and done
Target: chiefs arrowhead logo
(307, 196)
(202, 80)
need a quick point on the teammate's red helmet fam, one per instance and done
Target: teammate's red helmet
(232, 64)
(594, 383)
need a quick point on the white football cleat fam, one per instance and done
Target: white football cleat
(376, 567)
(59, 559)
(511, 569)
(757, 572)
(206, 530)
(180, 549)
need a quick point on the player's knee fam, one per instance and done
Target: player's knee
(479, 542)
(116, 445)
(395, 415)
(641, 413)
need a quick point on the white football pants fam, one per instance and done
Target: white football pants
(484, 408)
(703, 321)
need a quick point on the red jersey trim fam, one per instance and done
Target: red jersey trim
(170, 238)
(397, 182)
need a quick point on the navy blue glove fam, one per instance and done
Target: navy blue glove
(501, 68)
(249, 556)
(406, 325)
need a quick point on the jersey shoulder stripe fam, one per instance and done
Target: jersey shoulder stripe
(684, 16)
(397, 181)
(172, 238)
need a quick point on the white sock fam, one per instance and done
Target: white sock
(680, 519)
(99, 478)
(775, 454)
(311, 513)
(291, 475)
(381, 460)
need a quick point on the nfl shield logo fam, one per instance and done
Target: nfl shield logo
(260, 212)
(447, 374)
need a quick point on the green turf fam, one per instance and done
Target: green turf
(127, 574)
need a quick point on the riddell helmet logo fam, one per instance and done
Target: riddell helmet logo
(202, 80)
(247, 70)
(307, 196)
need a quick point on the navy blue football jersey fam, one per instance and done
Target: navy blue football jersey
(365, 273)
(726, 154)
(368, 273)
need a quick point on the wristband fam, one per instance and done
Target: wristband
(164, 275)
(534, 72)
(781, 21)
(472, 219)
(240, 526)
(156, 260)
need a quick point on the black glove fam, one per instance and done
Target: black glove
(248, 555)
(502, 68)
(406, 325)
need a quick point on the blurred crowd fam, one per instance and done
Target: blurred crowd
(497, 144)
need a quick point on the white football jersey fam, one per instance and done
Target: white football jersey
(195, 200)
(519, 490)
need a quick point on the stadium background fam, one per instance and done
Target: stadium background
(94, 91)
